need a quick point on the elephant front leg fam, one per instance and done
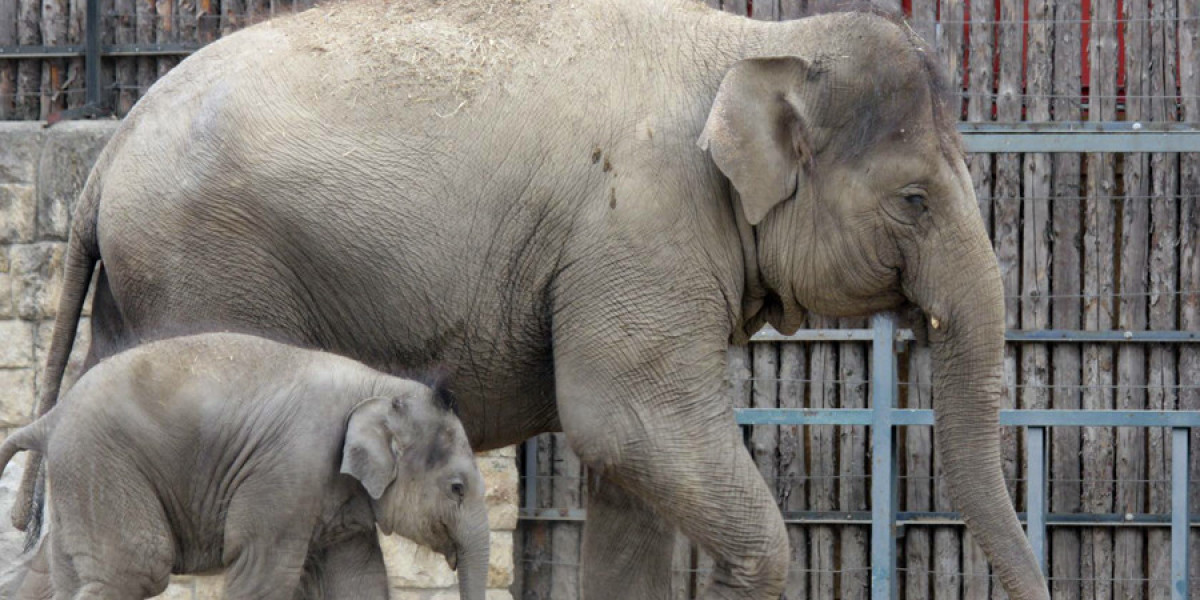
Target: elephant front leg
(627, 549)
(664, 432)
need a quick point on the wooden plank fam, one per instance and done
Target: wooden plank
(822, 491)
(126, 68)
(793, 468)
(108, 75)
(1189, 247)
(208, 20)
(1035, 217)
(8, 68)
(147, 68)
(1164, 271)
(764, 439)
(1129, 543)
(29, 72)
(951, 38)
(165, 32)
(918, 470)
(540, 544)
(979, 109)
(233, 15)
(737, 7)
(855, 541)
(923, 17)
(74, 86)
(1099, 309)
(257, 11)
(1065, 491)
(54, 33)
(1006, 225)
(565, 536)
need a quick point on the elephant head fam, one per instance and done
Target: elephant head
(411, 455)
(855, 198)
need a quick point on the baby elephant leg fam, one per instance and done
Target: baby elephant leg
(352, 569)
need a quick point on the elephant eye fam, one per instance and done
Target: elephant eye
(915, 200)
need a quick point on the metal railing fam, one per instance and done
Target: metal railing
(883, 417)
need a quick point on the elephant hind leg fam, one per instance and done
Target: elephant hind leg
(626, 546)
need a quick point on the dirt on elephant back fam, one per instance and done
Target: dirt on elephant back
(427, 50)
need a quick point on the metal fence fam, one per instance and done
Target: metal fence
(883, 417)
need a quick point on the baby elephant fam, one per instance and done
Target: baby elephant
(230, 451)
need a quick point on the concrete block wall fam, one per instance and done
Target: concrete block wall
(42, 171)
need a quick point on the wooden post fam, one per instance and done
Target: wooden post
(8, 68)
(1189, 245)
(1066, 263)
(1128, 546)
(1035, 211)
(1006, 227)
(126, 68)
(852, 450)
(565, 535)
(918, 487)
(1164, 271)
(147, 68)
(822, 493)
(979, 109)
(54, 33)
(74, 85)
(793, 468)
(1099, 308)
(165, 32)
(233, 16)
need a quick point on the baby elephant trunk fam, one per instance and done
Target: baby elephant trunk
(473, 540)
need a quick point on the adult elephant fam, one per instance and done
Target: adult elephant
(540, 196)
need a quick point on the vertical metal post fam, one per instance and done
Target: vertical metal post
(92, 58)
(1179, 512)
(531, 474)
(1035, 494)
(883, 459)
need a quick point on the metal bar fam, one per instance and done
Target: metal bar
(911, 519)
(92, 62)
(530, 474)
(76, 51)
(1035, 493)
(1013, 418)
(1068, 335)
(1082, 142)
(1179, 512)
(883, 460)
(1076, 127)
(769, 334)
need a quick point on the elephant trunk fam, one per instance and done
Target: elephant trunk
(474, 543)
(964, 299)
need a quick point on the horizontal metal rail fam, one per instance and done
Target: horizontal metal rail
(110, 50)
(909, 518)
(769, 334)
(1014, 418)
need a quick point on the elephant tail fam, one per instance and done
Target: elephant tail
(83, 252)
(29, 437)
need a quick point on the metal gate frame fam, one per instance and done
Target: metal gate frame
(883, 417)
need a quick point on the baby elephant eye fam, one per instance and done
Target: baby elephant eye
(915, 200)
(459, 490)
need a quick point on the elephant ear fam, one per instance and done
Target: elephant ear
(756, 134)
(368, 453)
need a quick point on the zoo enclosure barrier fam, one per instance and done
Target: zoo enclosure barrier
(883, 417)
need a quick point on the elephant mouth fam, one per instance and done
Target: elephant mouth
(451, 558)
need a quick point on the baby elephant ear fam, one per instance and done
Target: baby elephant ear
(367, 454)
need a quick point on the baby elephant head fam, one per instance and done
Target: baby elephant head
(411, 454)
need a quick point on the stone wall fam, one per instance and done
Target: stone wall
(41, 173)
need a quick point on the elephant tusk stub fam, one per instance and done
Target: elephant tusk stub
(934, 322)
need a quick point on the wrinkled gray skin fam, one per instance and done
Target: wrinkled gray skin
(540, 197)
(226, 451)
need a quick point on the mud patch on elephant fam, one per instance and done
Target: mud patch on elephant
(427, 50)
